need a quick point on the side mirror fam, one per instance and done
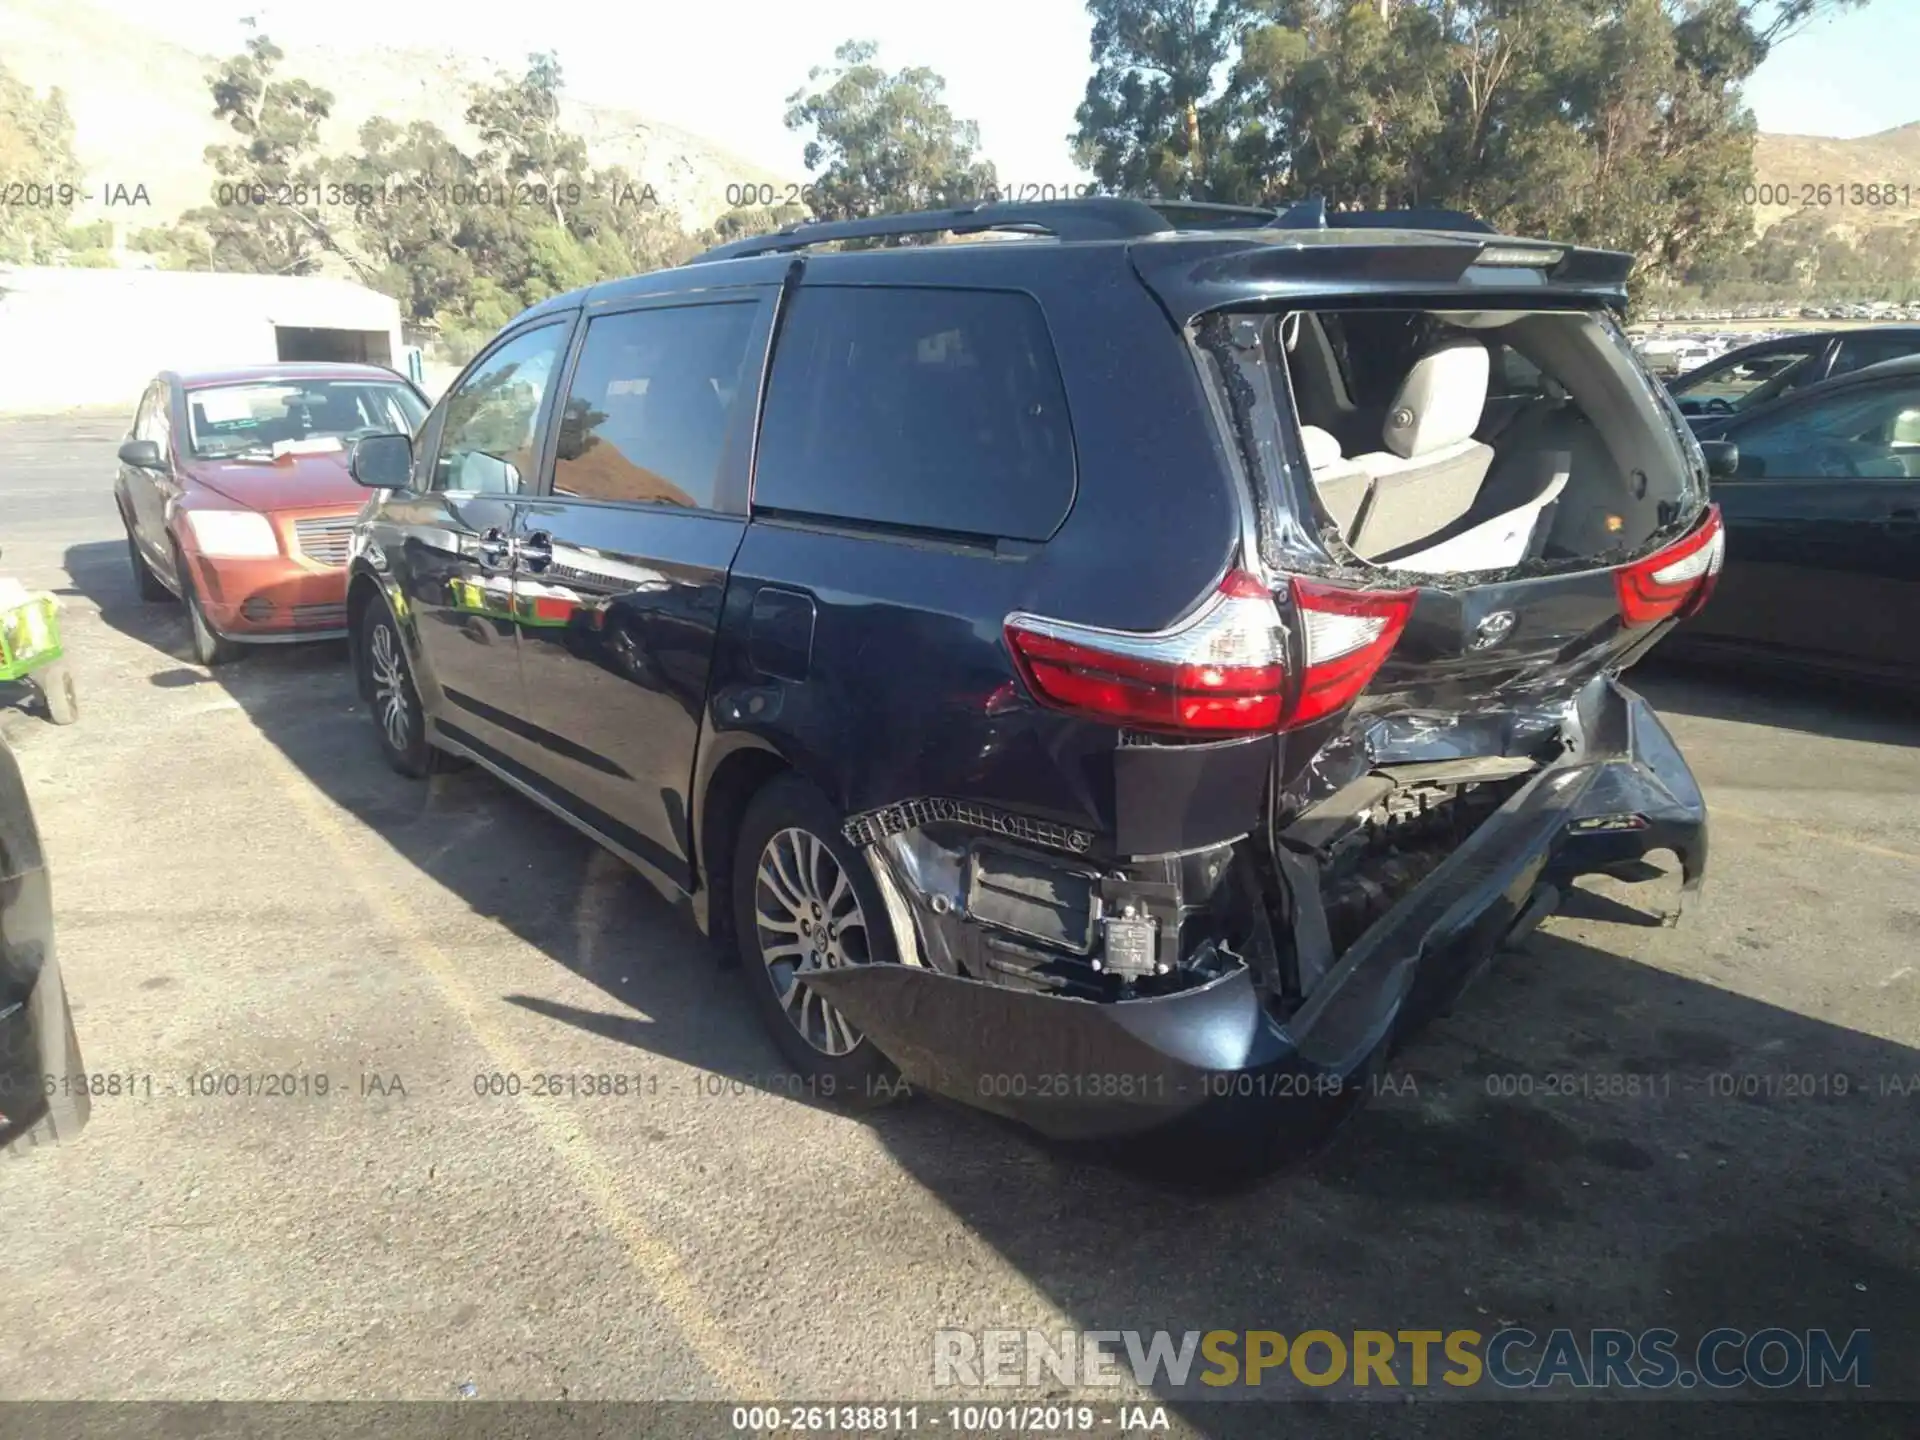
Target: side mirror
(142, 454)
(383, 462)
(1723, 458)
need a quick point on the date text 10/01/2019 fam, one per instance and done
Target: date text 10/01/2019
(206, 1085)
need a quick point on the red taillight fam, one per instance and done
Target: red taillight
(1676, 581)
(1349, 633)
(1222, 672)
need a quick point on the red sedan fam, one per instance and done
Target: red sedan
(234, 490)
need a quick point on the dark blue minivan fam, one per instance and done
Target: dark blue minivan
(1120, 666)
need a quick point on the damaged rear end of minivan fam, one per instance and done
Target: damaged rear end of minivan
(1377, 751)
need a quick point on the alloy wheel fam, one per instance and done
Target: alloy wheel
(808, 918)
(390, 702)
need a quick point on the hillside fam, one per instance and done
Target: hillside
(142, 114)
(1800, 164)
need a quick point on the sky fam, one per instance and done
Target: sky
(1018, 67)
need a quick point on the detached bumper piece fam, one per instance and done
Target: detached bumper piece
(44, 1093)
(1218, 1056)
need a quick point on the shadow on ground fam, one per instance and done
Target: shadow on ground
(1836, 709)
(1501, 1180)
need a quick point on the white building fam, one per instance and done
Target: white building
(80, 337)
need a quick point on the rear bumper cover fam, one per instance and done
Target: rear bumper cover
(1076, 1069)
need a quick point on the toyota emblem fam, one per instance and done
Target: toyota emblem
(1492, 630)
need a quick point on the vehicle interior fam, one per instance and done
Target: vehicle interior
(1464, 441)
(1733, 385)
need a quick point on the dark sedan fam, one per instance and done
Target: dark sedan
(1743, 381)
(1822, 509)
(44, 1089)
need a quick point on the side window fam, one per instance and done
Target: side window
(487, 439)
(1745, 383)
(1858, 352)
(651, 399)
(935, 409)
(1864, 433)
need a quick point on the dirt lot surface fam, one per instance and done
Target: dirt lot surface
(242, 888)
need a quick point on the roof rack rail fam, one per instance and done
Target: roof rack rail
(1312, 214)
(1088, 217)
(1091, 217)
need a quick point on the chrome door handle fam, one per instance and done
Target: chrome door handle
(536, 550)
(494, 548)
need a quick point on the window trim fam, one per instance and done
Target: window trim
(732, 480)
(797, 284)
(542, 417)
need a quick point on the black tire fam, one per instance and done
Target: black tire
(210, 647)
(860, 1076)
(386, 675)
(56, 690)
(145, 581)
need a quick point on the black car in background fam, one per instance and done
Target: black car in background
(44, 1096)
(1822, 509)
(1123, 676)
(1744, 380)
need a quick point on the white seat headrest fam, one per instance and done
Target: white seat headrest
(1321, 447)
(1440, 401)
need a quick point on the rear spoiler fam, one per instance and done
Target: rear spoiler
(1341, 259)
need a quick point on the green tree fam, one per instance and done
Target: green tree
(1607, 122)
(1152, 123)
(259, 220)
(409, 190)
(625, 227)
(522, 139)
(36, 152)
(1891, 255)
(554, 221)
(884, 141)
(464, 241)
(738, 224)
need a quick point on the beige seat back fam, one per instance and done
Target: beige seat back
(1432, 468)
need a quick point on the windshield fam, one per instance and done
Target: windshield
(274, 418)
